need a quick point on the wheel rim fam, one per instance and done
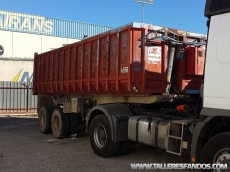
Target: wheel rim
(100, 136)
(56, 125)
(42, 120)
(222, 157)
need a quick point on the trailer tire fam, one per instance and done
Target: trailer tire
(124, 148)
(60, 123)
(44, 117)
(217, 150)
(101, 138)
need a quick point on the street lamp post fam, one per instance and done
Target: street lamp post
(143, 6)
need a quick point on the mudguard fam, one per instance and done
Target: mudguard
(117, 115)
(200, 136)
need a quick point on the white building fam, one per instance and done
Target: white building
(21, 35)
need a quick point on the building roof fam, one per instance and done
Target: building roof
(18, 22)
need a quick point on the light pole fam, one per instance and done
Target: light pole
(143, 6)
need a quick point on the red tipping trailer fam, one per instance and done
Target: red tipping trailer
(129, 60)
(128, 84)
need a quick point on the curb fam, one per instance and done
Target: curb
(32, 115)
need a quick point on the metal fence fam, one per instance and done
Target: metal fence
(17, 98)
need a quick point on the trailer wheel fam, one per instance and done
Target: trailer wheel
(100, 137)
(44, 117)
(217, 150)
(60, 123)
(124, 148)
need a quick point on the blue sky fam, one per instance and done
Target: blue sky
(180, 14)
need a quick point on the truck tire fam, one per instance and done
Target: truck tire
(44, 117)
(60, 123)
(217, 150)
(100, 137)
(124, 148)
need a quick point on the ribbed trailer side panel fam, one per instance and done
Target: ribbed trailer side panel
(123, 61)
(113, 63)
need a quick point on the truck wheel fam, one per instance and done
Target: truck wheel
(100, 137)
(217, 150)
(60, 124)
(124, 148)
(44, 116)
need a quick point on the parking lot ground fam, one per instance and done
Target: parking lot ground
(23, 148)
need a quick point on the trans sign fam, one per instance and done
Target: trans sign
(25, 23)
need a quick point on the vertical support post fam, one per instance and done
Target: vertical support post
(171, 54)
(82, 65)
(27, 98)
(97, 62)
(117, 62)
(27, 95)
